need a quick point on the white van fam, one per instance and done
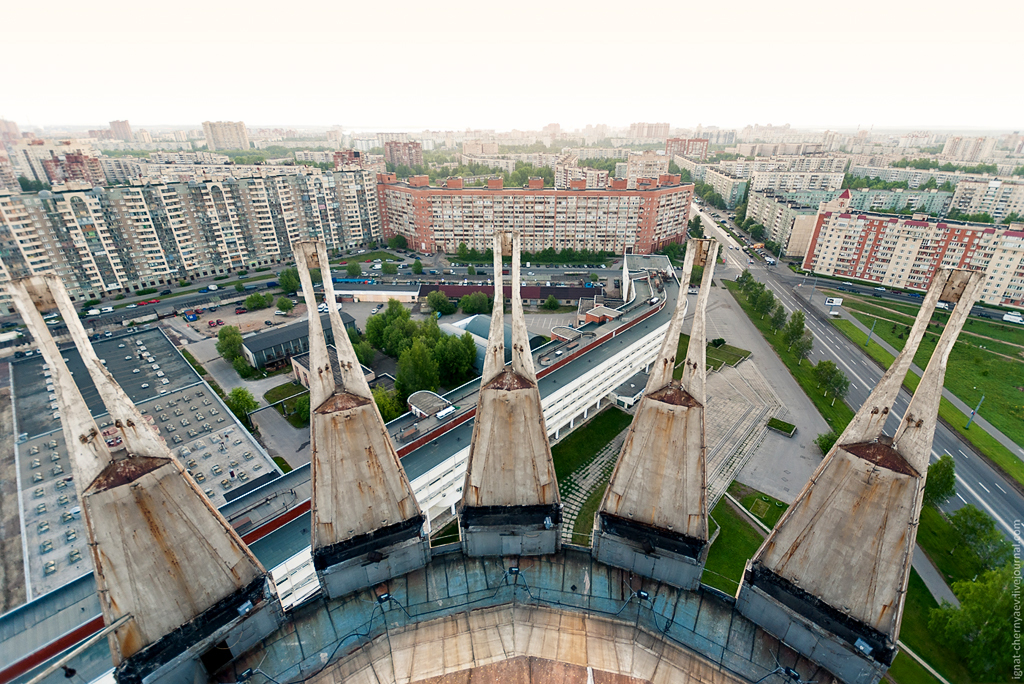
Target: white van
(1013, 318)
(107, 309)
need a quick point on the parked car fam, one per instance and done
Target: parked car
(212, 324)
(241, 310)
(220, 322)
(269, 322)
(132, 306)
(165, 292)
(280, 313)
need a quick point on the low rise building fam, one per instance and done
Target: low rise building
(905, 252)
(275, 347)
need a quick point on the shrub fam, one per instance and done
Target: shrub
(718, 342)
(119, 297)
(146, 291)
(182, 283)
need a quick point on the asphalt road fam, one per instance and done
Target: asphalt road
(978, 483)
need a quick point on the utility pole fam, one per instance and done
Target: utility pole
(873, 321)
(976, 408)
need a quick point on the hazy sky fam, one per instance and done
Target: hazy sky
(456, 64)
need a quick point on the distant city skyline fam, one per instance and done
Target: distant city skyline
(469, 65)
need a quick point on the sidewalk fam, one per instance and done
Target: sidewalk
(933, 578)
(981, 422)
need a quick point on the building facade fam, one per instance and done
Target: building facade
(731, 188)
(437, 219)
(647, 164)
(905, 252)
(687, 147)
(104, 242)
(226, 135)
(782, 181)
(968, 149)
(571, 175)
(405, 153)
(121, 130)
(788, 222)
(657, 131)
(996, 197)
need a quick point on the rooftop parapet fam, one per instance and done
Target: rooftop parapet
(164, 557)
(831, 578)
(366, 524)
(654, 518)
(510, 503)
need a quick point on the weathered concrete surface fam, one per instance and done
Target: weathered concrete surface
(366, 522)
(837, 564)
(510, 477)
(660, 482)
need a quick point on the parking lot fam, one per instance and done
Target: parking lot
(248, 322)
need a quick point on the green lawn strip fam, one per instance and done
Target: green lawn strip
(361, 258)
(581, 446)
(906, 670)
(986, 444)
(583, 528)
(222, 288)
(735, 544)
(768, 509)
(283, 391)
(1007, 332)
(837, 416)
(282, 464)
(914, 633)
(716, 356)
(954, 560)
(192, 362)
(447, 534)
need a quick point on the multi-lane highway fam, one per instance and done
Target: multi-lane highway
(978, 483)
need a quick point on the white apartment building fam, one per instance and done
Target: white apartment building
(996, 197)
(785, 181)
(646, 164)
(226, 135)
(27, 155)
(592, 179)
(901, 252)
(729, 187)
(968, 149)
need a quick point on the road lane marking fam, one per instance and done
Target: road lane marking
(962, 452)
(961, 498)
(985, 505)
(984, 487)
(999, 488)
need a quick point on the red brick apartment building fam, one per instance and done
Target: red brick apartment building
(905, 252)
(437, 219)
(408, 153)
(696, 148)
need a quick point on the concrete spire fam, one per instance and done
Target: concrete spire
(831, 578)
(510, 503)
(367, 526)
(161, 552)
(654, 519)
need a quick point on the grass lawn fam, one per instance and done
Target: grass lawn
(782, 426)
(838, 416)
(283, 391)
(955, 560)
(914, 633)
(716, 356)
(583, 528)
(906, 670)
(985, 443)
(767, 509)
(735, 544)
(282, 464)
(580, 447)
(447, 534)
(192, 362)
(559, 310)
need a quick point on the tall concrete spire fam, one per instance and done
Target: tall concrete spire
(654, 518)
(831, 578)
(162, 553)
(367, 526)
(510, 503)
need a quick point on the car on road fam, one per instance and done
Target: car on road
(165, 292)
(132, 306)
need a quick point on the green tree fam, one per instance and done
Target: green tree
(438, 301)
(31, 185)
(454, 359)
(417, 370)
(475, 303)
(551, 303)
(301, 408)
(463, 251)
(979, 532)
(417, 267)
(778, 319)
(764, 303)
(256, 301)
(388, 403)
(239, 287)
(981, 630)
(285, 304)
(744, 278)
(840, 385)
(364, 352)
(392, 331)
(353, 269)
(471, 270)
(229, 343)
(823, 372)
(289, 280)
(398, 242)
(241, 402)
(794, 329)
(825, 441)
(389, 269)
(941, 481)
(242, 367)
(803, 347)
